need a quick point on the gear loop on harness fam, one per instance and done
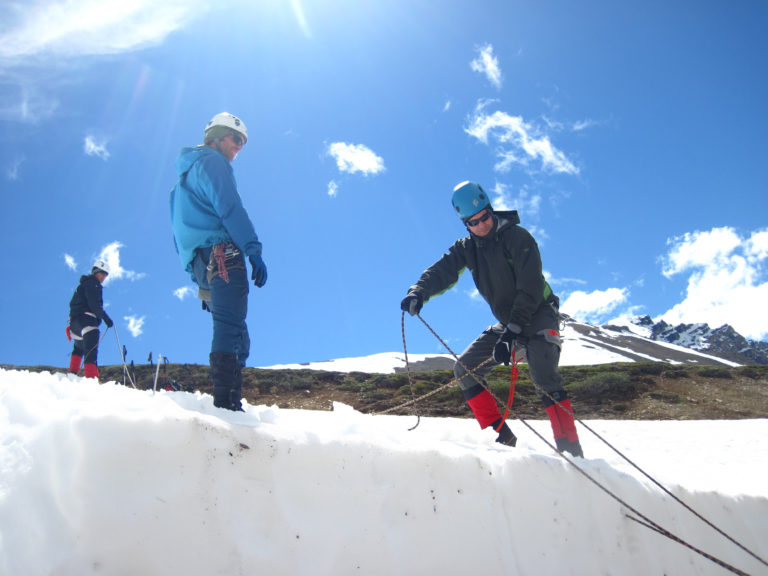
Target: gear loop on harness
(224, 256)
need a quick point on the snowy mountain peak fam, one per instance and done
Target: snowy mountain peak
(723, 342)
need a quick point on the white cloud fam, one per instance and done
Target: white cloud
(183, 292)
(135, 325)
(700, 249)
(29, 106)
(111, 255)
(527, 204)
(70, 262)
(333, 189)
(727, 283)
(353, 158)
(447, 106)
(517, 142)
(12, 170)
(94, 148)
(474, 295)
(88, 27)
(582, 125)
(592, 307)
(757, 245)
(563, 281)
(488, 65)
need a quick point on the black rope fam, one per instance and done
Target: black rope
(687, 545)
(646, 521)
(657, 483)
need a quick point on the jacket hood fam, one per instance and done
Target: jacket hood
(506, 218)
(503, 219)
(188, 156)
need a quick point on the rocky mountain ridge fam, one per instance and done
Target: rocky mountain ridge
(723, 342)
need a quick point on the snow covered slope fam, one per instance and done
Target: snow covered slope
(583, 344)
(104, 479)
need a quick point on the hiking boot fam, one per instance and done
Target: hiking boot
(573, 448)
(506, 436)
(227, 378)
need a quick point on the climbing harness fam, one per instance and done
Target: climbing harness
(225, 256)
(639, 517)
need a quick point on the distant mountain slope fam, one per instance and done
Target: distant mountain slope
(723, 342)
(635, 340)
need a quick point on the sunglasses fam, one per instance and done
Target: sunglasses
(238, 140)
(476, 221)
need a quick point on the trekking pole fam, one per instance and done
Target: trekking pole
(125, 368)
(122, 357)
(408, 367)
(157, 372)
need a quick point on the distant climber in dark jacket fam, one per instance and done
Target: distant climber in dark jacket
(86, 311)
(505, 264)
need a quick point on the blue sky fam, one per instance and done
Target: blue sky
(630, 137)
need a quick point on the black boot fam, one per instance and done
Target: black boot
(227, 378)
(573, 448)
(506, 436)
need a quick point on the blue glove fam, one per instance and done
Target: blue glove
(412, 304)
(259, 274)
(502, 351)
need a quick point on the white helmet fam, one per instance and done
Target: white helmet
(222, 124)
(100, 266)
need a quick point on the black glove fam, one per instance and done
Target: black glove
(502, 351)
(259, 274)
(108, 320)
(412, 304)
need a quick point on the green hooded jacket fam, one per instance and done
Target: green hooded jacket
(505, 265)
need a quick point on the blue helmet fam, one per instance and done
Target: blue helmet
(469, 198)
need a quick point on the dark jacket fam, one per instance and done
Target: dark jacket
(506, 268)
(87, 298)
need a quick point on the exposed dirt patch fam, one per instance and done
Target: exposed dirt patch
(626, 391)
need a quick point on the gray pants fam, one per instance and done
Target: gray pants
(542, 352)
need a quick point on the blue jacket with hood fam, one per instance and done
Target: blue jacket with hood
(206, 208)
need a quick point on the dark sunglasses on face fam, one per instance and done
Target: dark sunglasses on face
(476, 221)
(237, 139)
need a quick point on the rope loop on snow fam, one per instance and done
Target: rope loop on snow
(643, 520)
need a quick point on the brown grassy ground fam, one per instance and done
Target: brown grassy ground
(630, 391)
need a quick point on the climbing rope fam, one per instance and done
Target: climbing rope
(98, 342)
(513, 377)
(640, 518)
